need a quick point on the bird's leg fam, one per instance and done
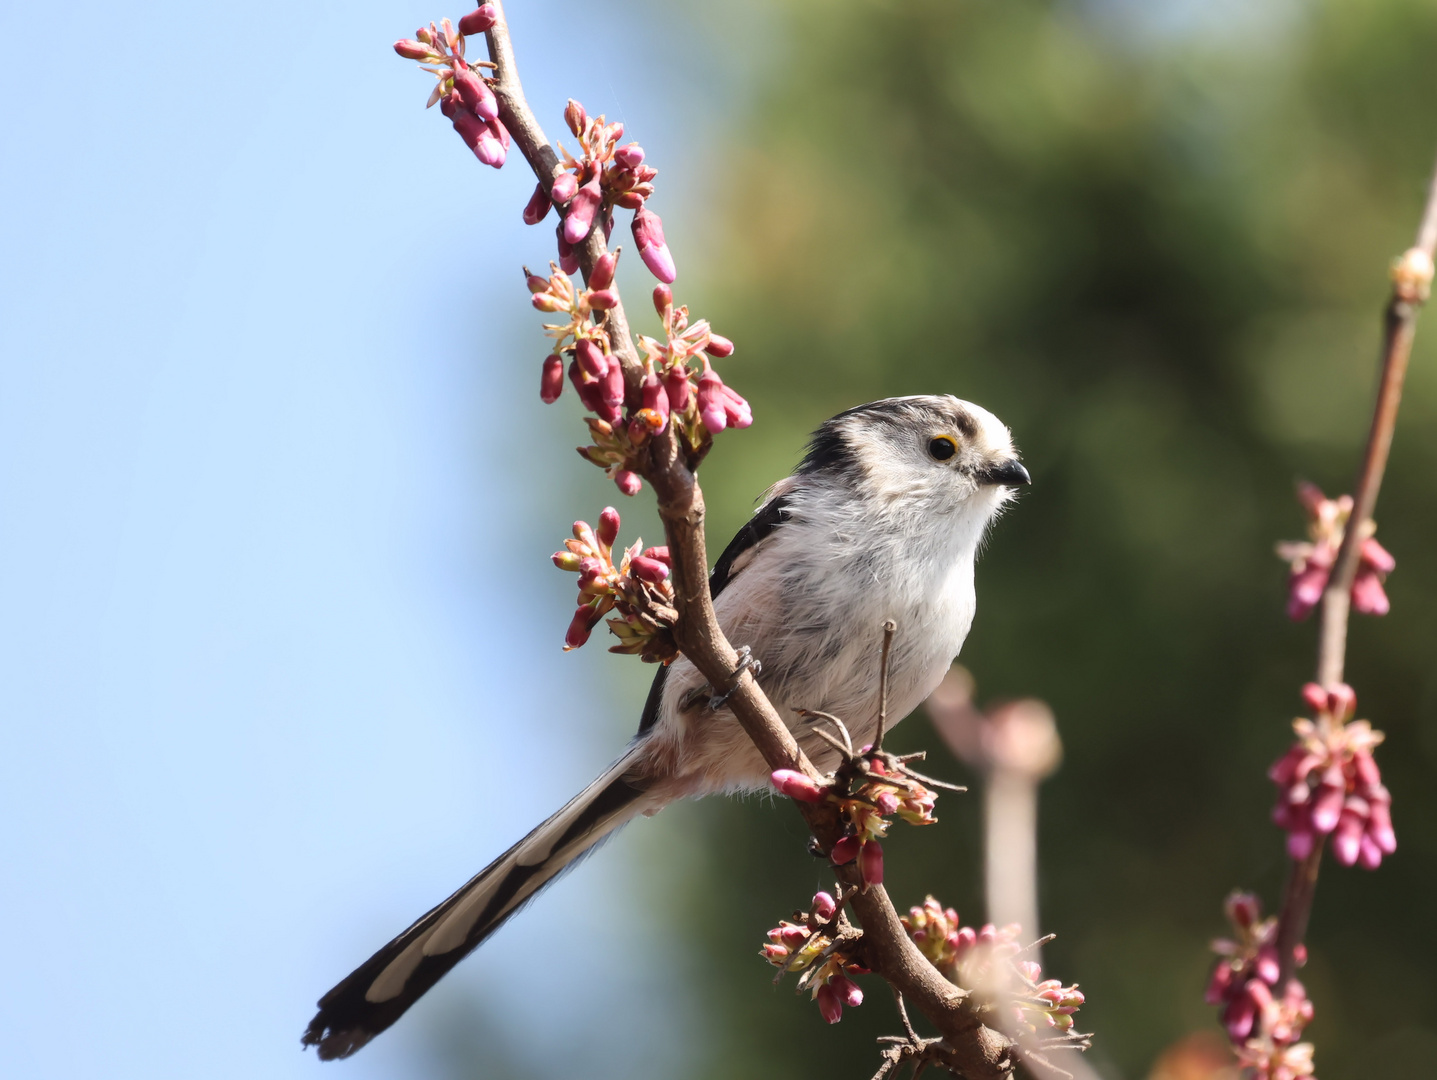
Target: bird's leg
(746, 662)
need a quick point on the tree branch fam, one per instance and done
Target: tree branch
(975, 1050)
(1411, 278)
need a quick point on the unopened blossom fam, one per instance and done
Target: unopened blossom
(1265, 1027)
(1311, 561)
(799, 946)
(986, 961)
(478, 20)
(1329, 784)
(465, 97)
(636, 589)
(648, 232)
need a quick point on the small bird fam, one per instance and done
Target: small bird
(881, 520)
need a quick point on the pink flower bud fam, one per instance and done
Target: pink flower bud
(1218, 985)
(567, 560)
(1238, 1018)
(847, 989)
(1376, 556)
(824, 906)
(579, 221)
(966, 939)
(481, 137)
(1267, 966)
(1369, 854)
(608, 530)
(629, 157)
(628, 481)
(580, 627)
(676, 386)
(543, 301)
(575, 117)
(413, 50)
(796, 785)
(612, 387)
(663, 298)
(603, 275)
(650, 570)
(591, 358)
(871, 863)
(568, 260)
(656, 398)
(829, 1003)
(774, 953)
(887, 802)
(719, 347)
(987, 934)
(564, 187)
(1366, 769)
(1379, 827)
(1304, 591)
(1031, 971)
(1314, 696)
(475, 94)
(1368, 596)
(736, 410)
(1242, 909)
(551, 382)
(649, 236)
(845, 850)
(629, 200)
(603, 299)
(711, 402)
(660, 553)
(793, 936)
(538, 206)
(478, 20)
(1328, 805)
(1341, 701)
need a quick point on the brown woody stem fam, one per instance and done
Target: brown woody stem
(1399, 327)
(975, 1050)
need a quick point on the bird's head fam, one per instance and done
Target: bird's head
(919, 456)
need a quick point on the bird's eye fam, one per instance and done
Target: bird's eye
(942, 447)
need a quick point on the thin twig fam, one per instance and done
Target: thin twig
(1399, 326)
(889, 626)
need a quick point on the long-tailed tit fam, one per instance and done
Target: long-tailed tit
(881, 520)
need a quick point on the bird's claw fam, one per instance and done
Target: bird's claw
(746, 662)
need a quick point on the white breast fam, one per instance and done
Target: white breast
(811, 602)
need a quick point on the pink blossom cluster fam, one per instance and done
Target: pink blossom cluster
(1263, 1025)
(463, 95)
(671, 390)
(985, 960)
(669, 376)
(603, 176)
(1311, 561)
(884, 790)
(636, 589)
(1329, 784)
(805, 946)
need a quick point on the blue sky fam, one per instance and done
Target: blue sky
(279, 639)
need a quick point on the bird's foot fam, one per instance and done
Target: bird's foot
(746, 662)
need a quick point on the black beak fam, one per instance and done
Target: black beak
(1009, 473)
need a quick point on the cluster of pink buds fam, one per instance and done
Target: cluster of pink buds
(807, 946)
(1311, 561)
(463, 95)
(668, 391)
(986, 960)
(1263, 1026)
(1329, 784)
(603, 176)
(670, 383)
(636, 589)
(869, 788)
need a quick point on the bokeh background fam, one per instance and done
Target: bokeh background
(279, 656)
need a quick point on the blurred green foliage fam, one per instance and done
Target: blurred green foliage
(1161, 260)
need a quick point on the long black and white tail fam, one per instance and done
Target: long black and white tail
(379, 991)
